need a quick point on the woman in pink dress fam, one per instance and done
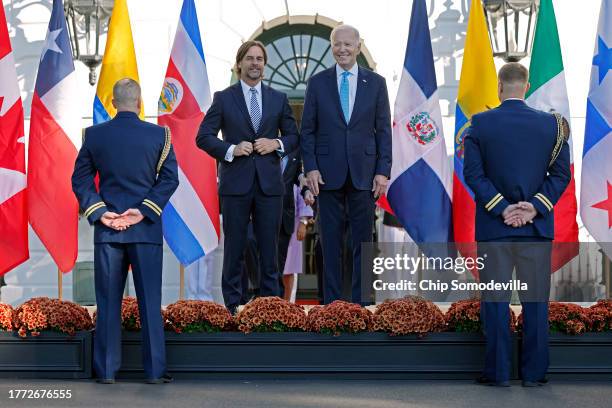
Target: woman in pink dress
(293, 264)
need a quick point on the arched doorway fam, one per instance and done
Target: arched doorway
(299, 47)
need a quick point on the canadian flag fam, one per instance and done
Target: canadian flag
(13, 213)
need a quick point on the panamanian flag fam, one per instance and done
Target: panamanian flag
(191, 218)
(596, 189)
(55, 138)
(420, 192)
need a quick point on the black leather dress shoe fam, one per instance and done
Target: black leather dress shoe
(500, 384)
(164, 379)
(487, 381)
(105, 380)
(483, 380)
(537, 383)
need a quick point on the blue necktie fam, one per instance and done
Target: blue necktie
(255, 111)
(284, 162)
(344, 95)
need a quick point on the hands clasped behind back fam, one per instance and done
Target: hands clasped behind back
(121, 222)
(519, 214)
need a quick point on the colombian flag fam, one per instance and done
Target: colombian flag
(119, 62)
(477, 92)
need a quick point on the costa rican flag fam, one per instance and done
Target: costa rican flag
(13, 210)
(420, 187)
(191, 218)
(55, 138)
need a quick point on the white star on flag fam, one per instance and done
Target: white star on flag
(51, 44)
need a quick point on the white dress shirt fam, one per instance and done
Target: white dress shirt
(352, 80)
(246, 91)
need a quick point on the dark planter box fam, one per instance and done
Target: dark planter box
(282, 355)
(50, 355)
(584, 356)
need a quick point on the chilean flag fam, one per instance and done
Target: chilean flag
(13, 209)
(191, 218)
(420, 189)
(55, 138)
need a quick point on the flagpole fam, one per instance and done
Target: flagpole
(607, 275)
(60, 277)
(181, 282)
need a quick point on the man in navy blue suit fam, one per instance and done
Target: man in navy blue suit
(346, 150)
(517, 165)
(250, 116)
(138, 174)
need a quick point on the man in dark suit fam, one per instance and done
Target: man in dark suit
(138, 173)
(250, 115)
(346, 149)
(515, 195)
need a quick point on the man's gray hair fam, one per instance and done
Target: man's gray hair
(513, 73)
(342, 27)
(126, 92)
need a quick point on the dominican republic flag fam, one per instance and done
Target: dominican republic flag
(55, 138)
(191, 218)
(13, 208)
(420, 187)
(596, 190)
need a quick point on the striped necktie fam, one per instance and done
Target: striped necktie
(255, 110)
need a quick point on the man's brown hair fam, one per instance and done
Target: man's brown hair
(242, 52)
(513, 73)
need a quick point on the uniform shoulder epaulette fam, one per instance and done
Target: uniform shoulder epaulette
(563, 133)
(166, 149)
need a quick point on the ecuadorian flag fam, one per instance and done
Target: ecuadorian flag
(119, 62)
(477, 92)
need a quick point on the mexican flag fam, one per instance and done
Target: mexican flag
(549, 93)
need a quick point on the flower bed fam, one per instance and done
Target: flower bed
(409, 315)
(600, 315)
(7, 316)
(566, 318)
(339, 317)
(198, 316)
(271, 314)
(464, 317)
(59, 345)
(42, 313)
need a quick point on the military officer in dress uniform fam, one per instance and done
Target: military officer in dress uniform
(137, 175)
(517, 165)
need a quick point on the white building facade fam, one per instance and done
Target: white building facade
(224, 25)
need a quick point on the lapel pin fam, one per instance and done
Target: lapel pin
(364, 80)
